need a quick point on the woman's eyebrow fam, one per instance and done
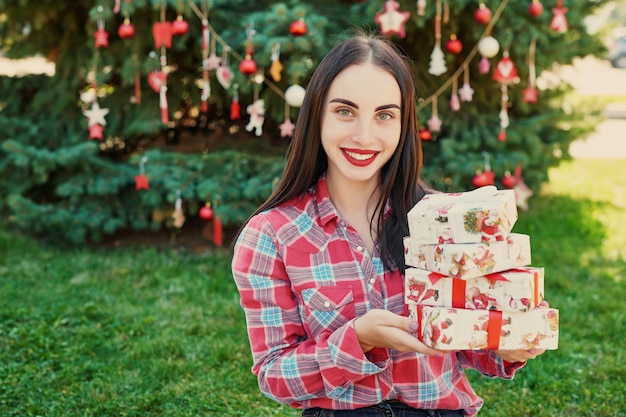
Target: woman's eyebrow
(356, 106)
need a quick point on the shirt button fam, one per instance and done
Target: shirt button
(327, 304)
(372, 281)
(359, 248)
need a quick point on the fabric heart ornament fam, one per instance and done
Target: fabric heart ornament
(224, 76)
(157, 79)
(162, 34)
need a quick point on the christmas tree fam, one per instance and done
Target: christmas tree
(159, 108)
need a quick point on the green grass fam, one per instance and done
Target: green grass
(147, 332)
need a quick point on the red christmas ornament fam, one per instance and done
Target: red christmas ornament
(535, 9)
(206, 212)
(480, 179)
(102, 38)
(248, 66)
(95, 131)
(179, 26)
(559, 21)
(298, 27)
(126, 30)
(454, 45)
(508, 180)
(217, 232)
(425, 134)
(141, 181)
(505, 72)
(162, 34)
(482, 15)
(502, 134)
(530, 95)
(157, 79)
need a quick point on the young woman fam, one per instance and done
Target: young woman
(320, 264)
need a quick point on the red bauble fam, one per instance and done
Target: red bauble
(508, 180)
(126, 30)
(482, 15)
(454, 45)
(248, 66)
(480, 179)
(535, 8)
(425, 134)
(298, 28)
(206, 212)
(179, 26)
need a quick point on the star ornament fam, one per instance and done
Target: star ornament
(530, 95)
(141, 181)
(286, 128)
(95, 132)
(434, 124)
(212, 62)
(391, 20)
(96, 115)
(466, 92)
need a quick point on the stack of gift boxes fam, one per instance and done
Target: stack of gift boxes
(468, 280)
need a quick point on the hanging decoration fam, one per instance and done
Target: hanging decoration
(454, 45)
(530, 93)
(505, 74)
(421, 7)
(298, 27)
(486, 177)
(434, 123)
(206, 212)
(559, 21)
(206, 83)
(178, 215)
(488, 47)
(248, 66)
(391, 21)
(235, 107)
(276, 67)
(141, 181)
(126, 30)
(466, 92)
(224, 74)
(180, 26)
(95, 115)
(535, 8)
(101, 36)
(256, 111)
(437, 61)
(162, 34)
(213, 61)
(455, 103)
(294, 95)
(482, 15)
(522, 191)
(287, 127)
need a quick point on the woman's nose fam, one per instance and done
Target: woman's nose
(363, 133)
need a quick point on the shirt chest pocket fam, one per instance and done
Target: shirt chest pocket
(328, 308)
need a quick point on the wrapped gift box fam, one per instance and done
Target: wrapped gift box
(518, 289)
(482, 215)
(469, 260)
(447, 328)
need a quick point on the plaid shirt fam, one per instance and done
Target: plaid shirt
(304, 275)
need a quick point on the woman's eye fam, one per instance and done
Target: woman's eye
(344, 112)
(385, 116)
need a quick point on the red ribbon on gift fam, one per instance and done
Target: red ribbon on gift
(494, 327)
(458, 292)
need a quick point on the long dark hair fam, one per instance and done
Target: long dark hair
(306, 161)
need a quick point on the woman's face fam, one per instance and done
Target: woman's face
(361, 123)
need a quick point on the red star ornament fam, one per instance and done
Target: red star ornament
(391, 20)
(101, 38)
(530, 95)
(141, 181)
(95, 132)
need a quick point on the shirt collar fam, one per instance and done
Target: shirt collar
(325, 207)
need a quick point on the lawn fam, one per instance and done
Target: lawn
(159, 332)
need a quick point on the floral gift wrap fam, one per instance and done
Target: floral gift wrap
(518, 289)
(469, 260)
(448, 328)
(482, 215)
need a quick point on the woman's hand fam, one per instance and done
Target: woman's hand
(382, 328)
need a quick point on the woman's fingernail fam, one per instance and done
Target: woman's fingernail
(413, 326)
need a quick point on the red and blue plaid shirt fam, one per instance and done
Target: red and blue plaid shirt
(304, 276)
